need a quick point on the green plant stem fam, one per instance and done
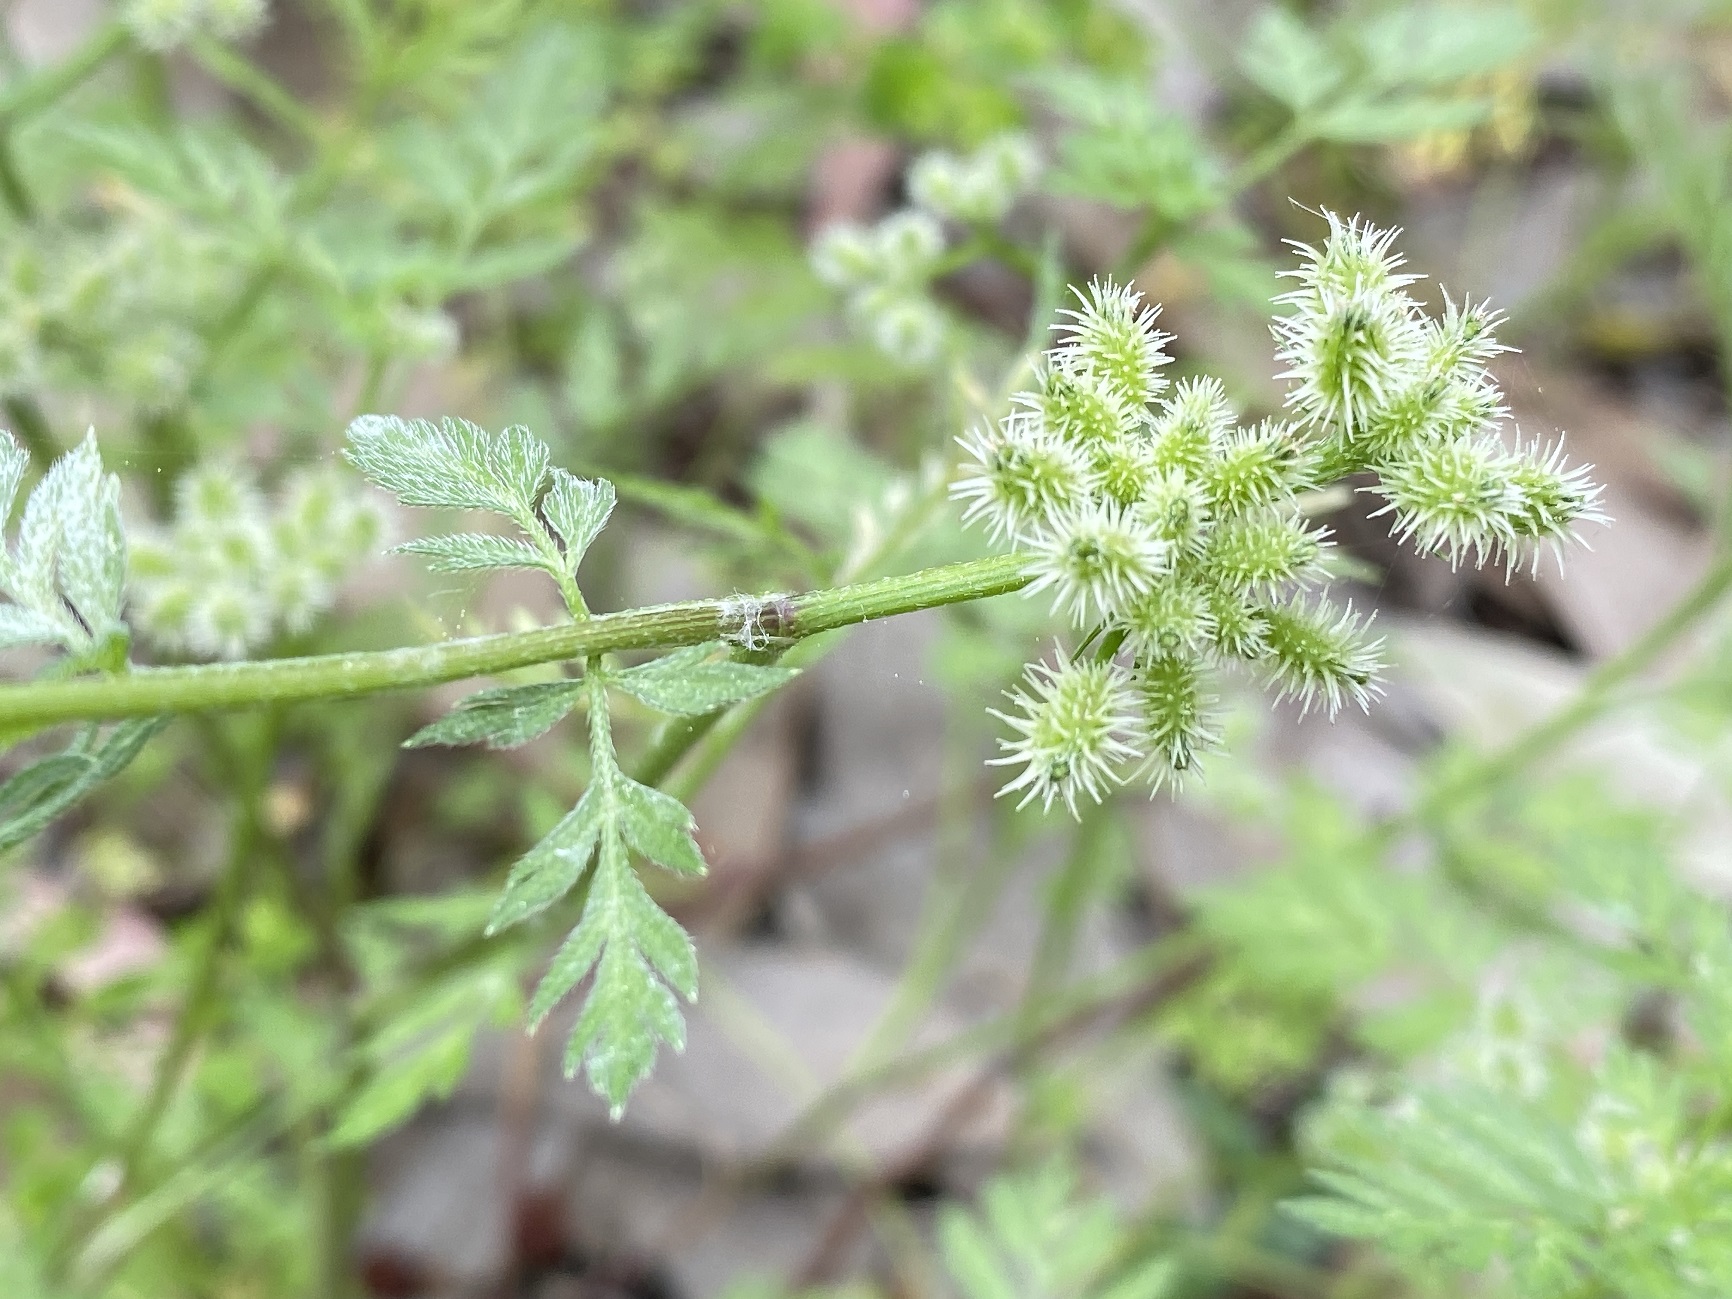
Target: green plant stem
(13, 190)
(1013, 255)
(557, 567)
(357, 781)
(958, 903)
(1596, 694)
(672, 740)
(1156, 229)
(712, 737)
(1252, 1264)
(202, 996)
(1150, 974)
(1049, 286)
(33, 94)
(169, 434)
(23, 101)
(31, 426)
(340, 1197)
(150, 691)
(247, 80)
(715, 735)
(1075, 886)
(1266, 159)
(964, 891)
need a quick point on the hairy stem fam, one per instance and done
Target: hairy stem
(149, 691)
(715, 734)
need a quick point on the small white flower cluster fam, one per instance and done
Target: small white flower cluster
(980, 188)
(235, 569)
(1171, 537)
(113, 310)
(885, 270)
(162, 25)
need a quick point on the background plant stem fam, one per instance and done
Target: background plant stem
(1596, 695)
(249, 761)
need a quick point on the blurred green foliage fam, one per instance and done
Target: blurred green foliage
(1485, 1040)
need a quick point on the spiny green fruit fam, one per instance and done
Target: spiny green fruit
(1173, 540)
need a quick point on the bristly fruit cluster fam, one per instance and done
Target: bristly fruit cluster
(1384, 389)
(1174, 540)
